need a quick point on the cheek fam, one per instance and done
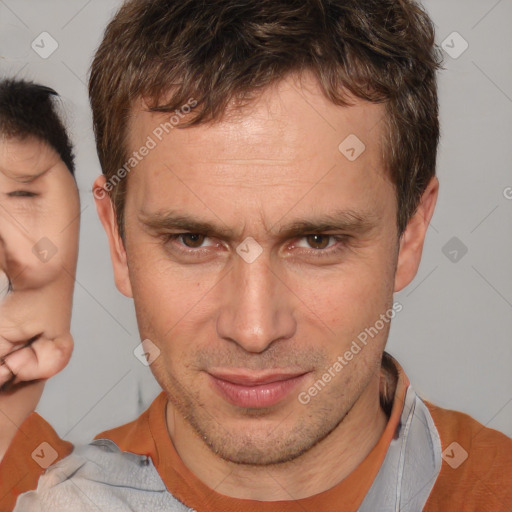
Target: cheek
(347, 299)
(169, 301)
(30, 256)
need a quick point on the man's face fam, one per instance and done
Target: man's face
(242, 334)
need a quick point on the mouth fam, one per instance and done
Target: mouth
(254, 390)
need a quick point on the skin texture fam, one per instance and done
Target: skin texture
(39, 225)
(296, 308)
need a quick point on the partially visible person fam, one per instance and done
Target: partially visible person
(39, 226)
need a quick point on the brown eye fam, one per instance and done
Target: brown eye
(318, 241)
(192, 240)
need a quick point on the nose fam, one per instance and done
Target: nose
(257, 308)
(14, 249)
(17, 256)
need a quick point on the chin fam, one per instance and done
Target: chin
(258, 444)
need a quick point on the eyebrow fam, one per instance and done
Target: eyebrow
(348, 221)
(24, 178)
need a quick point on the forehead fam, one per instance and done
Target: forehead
(294, 109)
(289, 140)
(24, 159)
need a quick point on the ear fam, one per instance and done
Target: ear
(107, 217)
(411, 241)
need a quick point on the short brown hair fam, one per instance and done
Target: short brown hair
(220, 51)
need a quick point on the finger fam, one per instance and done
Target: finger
(25, 313)
(41, 359)
(6, 374)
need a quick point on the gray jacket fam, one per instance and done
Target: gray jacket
(100, 477)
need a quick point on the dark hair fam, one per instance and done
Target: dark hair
(29, 109)
(222, 51)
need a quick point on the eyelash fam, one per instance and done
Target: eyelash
(169, 238)
(340, 245)
(8, 289)
(22, 193)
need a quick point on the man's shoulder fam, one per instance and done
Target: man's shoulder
(458, 427)
(115, 471)
(476, 472)
(138, 436)
(35, 446)
(100, 476)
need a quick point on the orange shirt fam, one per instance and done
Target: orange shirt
(482, 482)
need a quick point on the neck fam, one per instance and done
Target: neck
(319, 469)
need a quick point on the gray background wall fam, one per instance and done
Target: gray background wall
(453, 336)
